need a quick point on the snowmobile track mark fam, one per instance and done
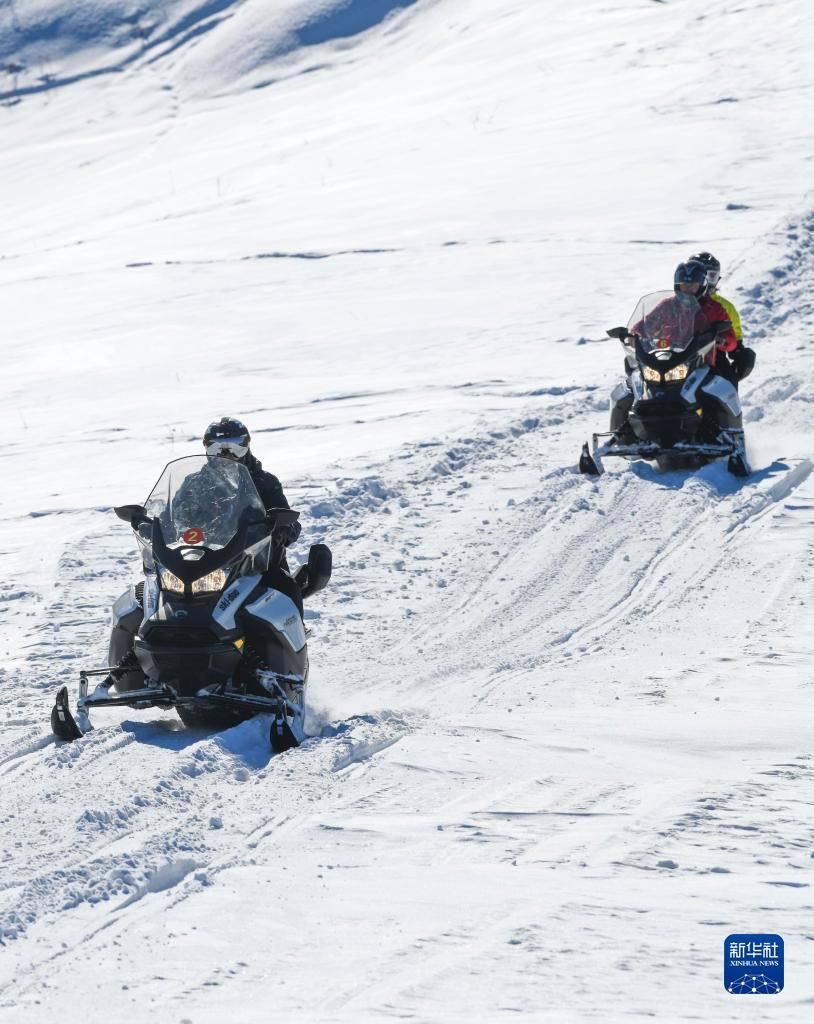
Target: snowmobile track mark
(781, 489)
(18, 758)
(647, 591)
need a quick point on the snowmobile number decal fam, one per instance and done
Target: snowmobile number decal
(193, 535)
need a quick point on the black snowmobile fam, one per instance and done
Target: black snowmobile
(211, 630)
(672, 407)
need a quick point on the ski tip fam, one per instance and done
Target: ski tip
(738, 466)
(587, 463)
(63, 724)
(281, 735)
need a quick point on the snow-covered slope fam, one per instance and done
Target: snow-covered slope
(205, 46)
(561, 726)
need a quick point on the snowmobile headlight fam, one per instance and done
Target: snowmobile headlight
(677, 373)
(651, 375)
(211, 583)
(169, 581)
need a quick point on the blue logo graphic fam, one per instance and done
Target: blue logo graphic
(753, 965)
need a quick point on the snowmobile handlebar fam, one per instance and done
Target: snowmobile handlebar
(624, 335)
(277, 517)
(132, 514)
(284, 526)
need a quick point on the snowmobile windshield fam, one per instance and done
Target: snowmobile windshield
(667, 321)
(204, 500)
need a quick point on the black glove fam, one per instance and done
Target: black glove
(743, 360)
(286, 534)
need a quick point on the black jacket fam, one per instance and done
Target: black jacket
(270, 490)
(268, 486)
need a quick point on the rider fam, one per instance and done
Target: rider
(742, 358)
(691, 277)
(229, 438)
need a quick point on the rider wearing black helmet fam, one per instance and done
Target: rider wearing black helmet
(694, 275)
(742, 359)
(691, 277)
(229, 438)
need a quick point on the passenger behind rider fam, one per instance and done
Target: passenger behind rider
(229, 438)
(741, 361)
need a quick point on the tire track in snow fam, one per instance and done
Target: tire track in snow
(555, 572)
(709, 836)
(648, 595)
(569, 569)
(136, 833)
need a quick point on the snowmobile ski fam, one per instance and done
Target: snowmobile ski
(63, 723)
(281, 735)
(588, 464)
(738, 465)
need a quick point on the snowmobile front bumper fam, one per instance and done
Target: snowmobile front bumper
(590, 461)
(286, 729)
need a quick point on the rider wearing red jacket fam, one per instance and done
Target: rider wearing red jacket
(691, 277)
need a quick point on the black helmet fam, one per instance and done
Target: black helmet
(691, 272)
(711, 265)
(228, 437)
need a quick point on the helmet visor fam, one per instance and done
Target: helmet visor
(228, 447)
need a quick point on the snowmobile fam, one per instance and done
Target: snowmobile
(210, 631)
(672, 407)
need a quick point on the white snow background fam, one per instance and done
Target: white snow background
(562, 727)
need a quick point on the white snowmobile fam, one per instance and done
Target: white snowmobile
(211, 630)
(672, 407)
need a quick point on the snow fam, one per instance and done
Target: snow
(561, 726)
